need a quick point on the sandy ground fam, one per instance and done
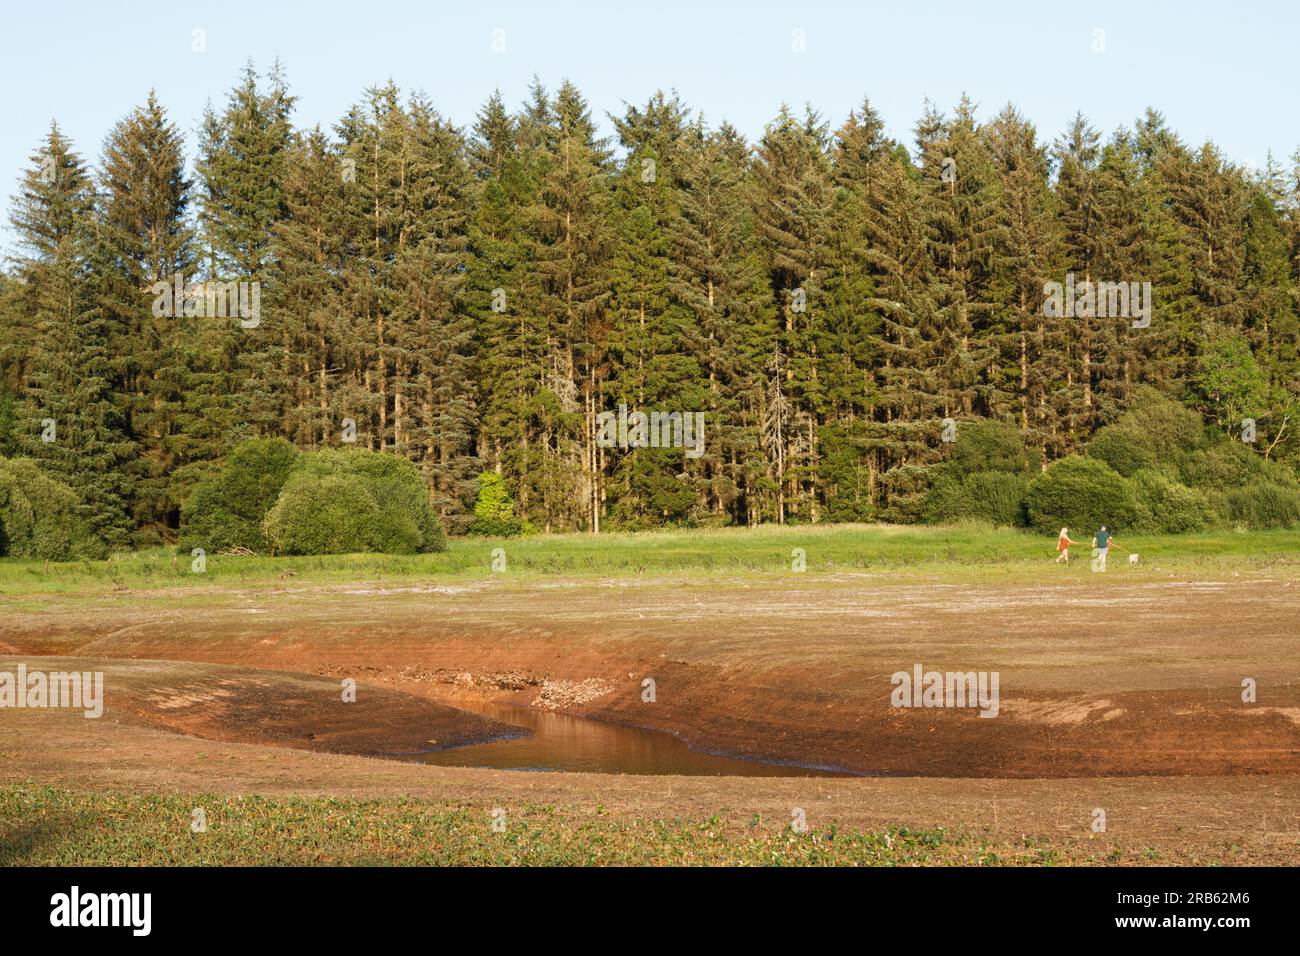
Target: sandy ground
(1124, 696)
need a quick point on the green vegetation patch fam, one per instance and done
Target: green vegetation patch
(54, 827)
(962, 552)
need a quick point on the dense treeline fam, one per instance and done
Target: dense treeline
(473, 300)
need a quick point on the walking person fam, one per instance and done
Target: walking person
(1063, 546)
(1101, 542)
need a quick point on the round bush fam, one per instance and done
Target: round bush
(1232, 464)
(1079, 493)
(227, 510)
(333, 514)
(41, 517)
(1125, 448)
(1168, 507)
(988, 445)
(1170, 426)
(395, 484)
(494, 509)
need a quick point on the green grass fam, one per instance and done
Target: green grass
(41, 826)
(963, 552)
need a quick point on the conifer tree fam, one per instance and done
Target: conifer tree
(718, 274)
(965, 232)
(850, 331)
(432, 350)
(66, 417)
(793, 195)
(296, 365)
(904, 410)
(501, 293)
(650, 362)
(1023, 382)
(569, 229)
(144, 238)
(243, 153)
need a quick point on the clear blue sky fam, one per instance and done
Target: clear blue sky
(1224, 70)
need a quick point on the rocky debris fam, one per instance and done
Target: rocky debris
(553, 694)
(508, 681)
(566, 693)
(511, 680)
(499, 680)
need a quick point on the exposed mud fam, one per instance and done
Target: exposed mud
(1117, 680)
(238, 704)
(1196, 820)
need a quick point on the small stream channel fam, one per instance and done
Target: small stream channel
(563, 742)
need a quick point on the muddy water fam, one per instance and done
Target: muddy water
(562, 742)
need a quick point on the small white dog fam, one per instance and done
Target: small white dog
(1132, 559)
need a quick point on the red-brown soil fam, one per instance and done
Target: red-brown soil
(1123, 696)
(1142, 679)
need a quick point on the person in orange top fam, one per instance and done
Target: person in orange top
(1063, 546)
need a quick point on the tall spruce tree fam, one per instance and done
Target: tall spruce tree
(433, 338)
(501, 293)
(569, 229)
(240, 198)
(719, 274)
(143, 239)
(792, 193)
(66, 417)
(1024, 382)
(650, 362)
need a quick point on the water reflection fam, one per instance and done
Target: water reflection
(562, 742)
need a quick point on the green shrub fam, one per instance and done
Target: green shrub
(1232, 464)
(333, 514)
(1079, 493)
(984, 478)
(383, 503)
(1165, 506)
(41, 517)
(396, 486)
(946, 501)
(1263, 505)
(1171, 427)
(1155, 431)
(494, 509)
(995, 497)
(228, 509)
(1125, 448)
(988, 445)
